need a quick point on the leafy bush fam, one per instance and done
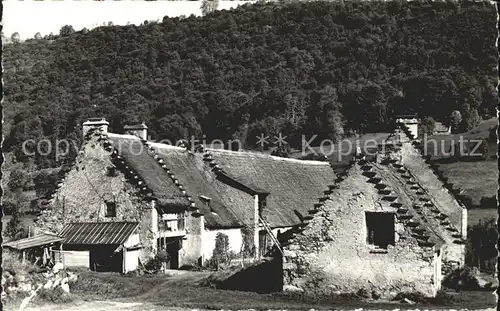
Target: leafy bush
(54, 295)
(157, 262)
(480, 248)
(463, 278)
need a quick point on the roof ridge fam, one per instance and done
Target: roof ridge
(439, 214)
(108, 146)
(263, 155)
(402, 213)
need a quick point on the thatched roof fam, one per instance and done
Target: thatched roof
(138, 158)
(198, 180)
(293, 185)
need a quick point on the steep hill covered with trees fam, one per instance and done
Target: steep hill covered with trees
(325, 68)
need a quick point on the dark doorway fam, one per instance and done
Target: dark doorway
(380, 229)
(103, 258)
(172, 248)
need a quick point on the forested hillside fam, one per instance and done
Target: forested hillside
(326, 68)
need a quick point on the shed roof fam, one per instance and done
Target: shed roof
(104, 233)
(34, 241)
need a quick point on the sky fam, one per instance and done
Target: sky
(30, 17)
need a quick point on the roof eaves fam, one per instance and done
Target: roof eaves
(232, 181)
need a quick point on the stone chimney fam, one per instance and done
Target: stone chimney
(139, 130)
(98, 123)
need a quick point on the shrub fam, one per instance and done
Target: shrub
(413, 296)
(363, 293)
(462, 278)
(156, 263)
(221, 254)
(55, 295)
(480, 247)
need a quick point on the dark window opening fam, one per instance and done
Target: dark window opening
(111, 171)
(110, 209)
(380, 229)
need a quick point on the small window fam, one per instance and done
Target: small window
(380, 229)
(110, 209)
(111, 171)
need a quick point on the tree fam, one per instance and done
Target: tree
(471, 119)
(282, 150)
(17, 180)
(428, 125)
(221, 254)
(455, 121)
(492, 137)
(15, 37)
(38, 36)
(484, 149)
(66, 30)
(14, 230)
(480, 247)
(208, 6)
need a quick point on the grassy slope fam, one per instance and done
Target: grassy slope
(479, 179)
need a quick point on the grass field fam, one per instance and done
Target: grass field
(478, 180)
(474, 216)
(185, 292)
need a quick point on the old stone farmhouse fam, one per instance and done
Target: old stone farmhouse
(180, 199)
(385, 224)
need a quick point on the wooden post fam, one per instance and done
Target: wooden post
(24, 256)
(61, 254)
(124, 255)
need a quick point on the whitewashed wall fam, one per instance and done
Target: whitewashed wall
(30, 17)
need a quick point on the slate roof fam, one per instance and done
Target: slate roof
(98, 233)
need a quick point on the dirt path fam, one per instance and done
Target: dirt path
(103, 306)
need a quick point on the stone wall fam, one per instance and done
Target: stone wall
(332, 254)
(81, 196)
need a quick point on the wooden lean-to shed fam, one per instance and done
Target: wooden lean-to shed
(38, 249)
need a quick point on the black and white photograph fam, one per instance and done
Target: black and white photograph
(249, 155)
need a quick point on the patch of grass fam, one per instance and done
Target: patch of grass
(478, 180)
(184, 291)
(474, 216)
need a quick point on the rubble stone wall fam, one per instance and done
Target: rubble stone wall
(332, 254)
